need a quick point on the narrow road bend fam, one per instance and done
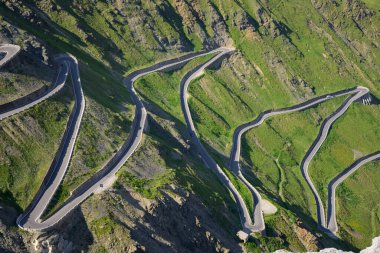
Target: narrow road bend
(322, 135)
(332, 225)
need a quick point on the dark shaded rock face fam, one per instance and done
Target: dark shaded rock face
(168, 218)
(175, 222)
(33, 50)
(10, 239)
(196, 21)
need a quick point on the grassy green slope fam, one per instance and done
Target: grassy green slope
(275, 149)
(352, 136)
(26, 143)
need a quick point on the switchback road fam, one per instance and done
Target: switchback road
(259, 225)
(322, 135)
(106, 174)
(239, 131)
(332, 225)
(31, 219)
(7, 53)
(24, 103)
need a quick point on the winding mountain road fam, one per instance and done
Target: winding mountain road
(8, 52)
(322, 135)
(236, 145)
(31, 220)
(332, 225)
(23, 103)
(259, 225)
(356, 93)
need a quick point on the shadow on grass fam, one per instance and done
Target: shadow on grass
(106, 43)
(96, 86)
(175, 21)
(204, 183)
(75, 229)
(7, 198)
(60, 195)
(47, 20)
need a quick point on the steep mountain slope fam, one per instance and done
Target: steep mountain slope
(165, 199)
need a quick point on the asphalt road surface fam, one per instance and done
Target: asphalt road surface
(8, 52)
(332, 225)
(32, 218)
(25, 103)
